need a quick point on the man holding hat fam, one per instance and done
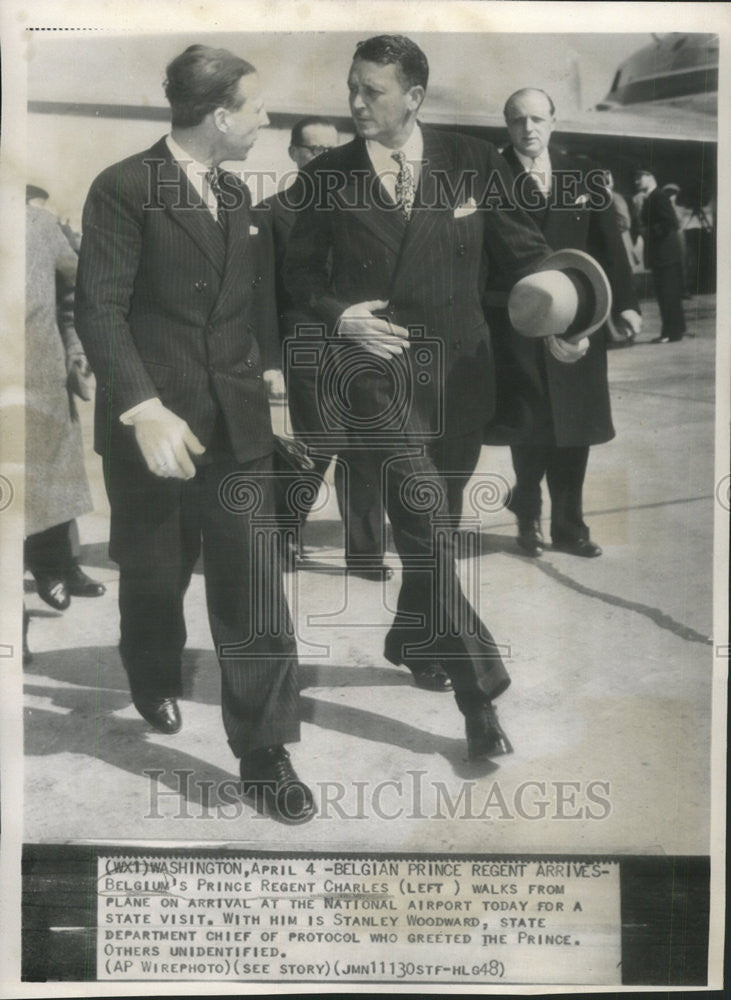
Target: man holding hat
(387, 257)
(553, 397)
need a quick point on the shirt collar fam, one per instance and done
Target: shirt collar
(189, 164)
(382, 156)
(542, 162)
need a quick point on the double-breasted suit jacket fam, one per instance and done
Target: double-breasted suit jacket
(349, 245)
(430, 271)
(172, 304)
(164, 309)
(564, 404)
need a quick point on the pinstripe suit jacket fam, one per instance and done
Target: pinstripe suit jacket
(350, 245)
(169, 305)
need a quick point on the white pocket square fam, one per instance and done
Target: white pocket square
(467, 208)
(253, 231)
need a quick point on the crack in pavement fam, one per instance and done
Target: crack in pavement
(655, 615)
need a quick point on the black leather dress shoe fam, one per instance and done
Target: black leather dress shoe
(431, 677)
(485, 737)
(371, 572)
(81, 585)
(530, 538)
(579, 547)
(163, 714)
(54, 592)
(267, 776)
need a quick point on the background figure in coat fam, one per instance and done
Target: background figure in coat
(359, 500)
(56, 486)
(387, 255)
(175, 307)
(561, 408)
(659, 228)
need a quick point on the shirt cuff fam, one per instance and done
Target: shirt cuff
(128, 417)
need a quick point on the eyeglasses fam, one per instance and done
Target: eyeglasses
(315, 150)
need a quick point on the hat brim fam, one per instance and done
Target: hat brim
(577, 260)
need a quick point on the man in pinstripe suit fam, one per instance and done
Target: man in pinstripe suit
(402, 213)
(175, 308)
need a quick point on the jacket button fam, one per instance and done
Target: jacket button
(200, 285)
(256, 281)
(461, 250)
(457, 344)
(450, 300)
(249, 363)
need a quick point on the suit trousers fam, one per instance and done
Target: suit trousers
(669, 284)
(434, 619)
(565, 470)
(50, 553)
(157, 527)
(358, 493)
(359, 503)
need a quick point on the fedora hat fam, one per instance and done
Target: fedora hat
(569, 295)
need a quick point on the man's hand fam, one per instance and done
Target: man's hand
(633, 320)
(79, 376)
(566, 351)
(379, 336)
(166, 442)
(274, 381)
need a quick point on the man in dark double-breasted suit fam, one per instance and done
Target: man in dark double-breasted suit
(175, 308)
(388, 255)
(554, 408)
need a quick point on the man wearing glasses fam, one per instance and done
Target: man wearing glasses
(358, 496)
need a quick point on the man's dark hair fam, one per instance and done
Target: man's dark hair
(528, 90)
(411, 63)
(202, 79)
(33, 191)
(303, 123)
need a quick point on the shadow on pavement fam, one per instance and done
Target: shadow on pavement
(82, 720)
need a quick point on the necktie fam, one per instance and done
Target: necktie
(539, 178)
(405, 188)
(215, 185)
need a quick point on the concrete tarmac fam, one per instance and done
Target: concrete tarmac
(611, 660)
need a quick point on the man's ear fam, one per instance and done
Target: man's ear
(416, 97)
(220, 119)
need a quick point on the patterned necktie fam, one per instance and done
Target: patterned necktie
(405, 187)
(215, 185)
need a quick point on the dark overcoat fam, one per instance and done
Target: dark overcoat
(544, 401)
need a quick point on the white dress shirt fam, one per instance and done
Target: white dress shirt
(387, 168)
(539, 169)
(195, 174)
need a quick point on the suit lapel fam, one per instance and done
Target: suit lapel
(360, 196)
(187, 208)
(237, 237)
(428, 214)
